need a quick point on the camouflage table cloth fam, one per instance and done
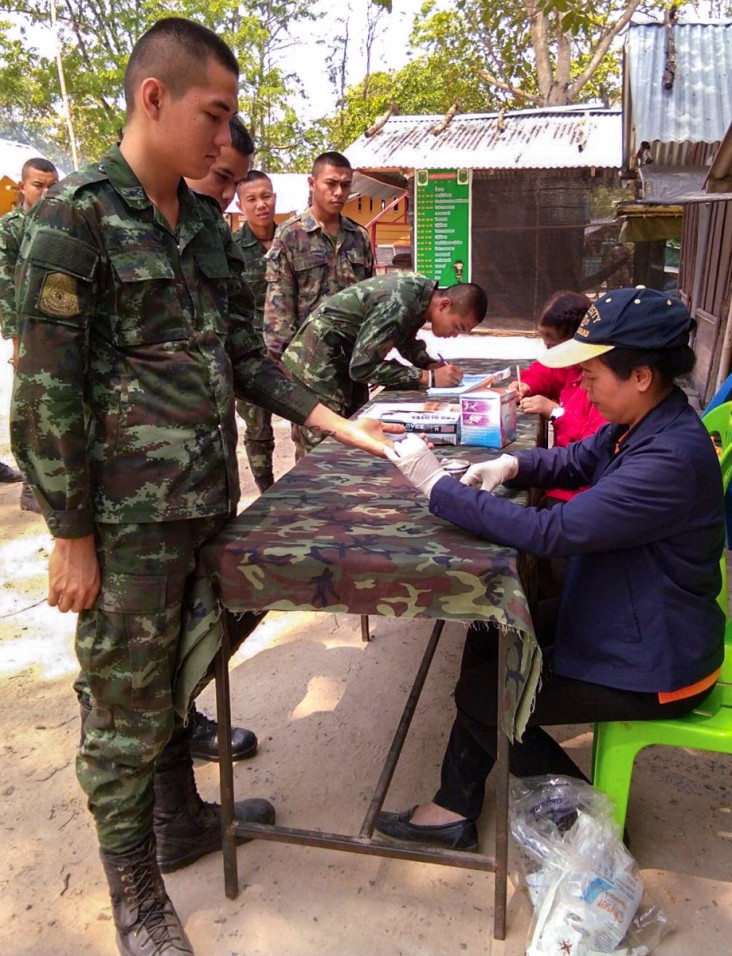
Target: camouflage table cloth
(345, 532)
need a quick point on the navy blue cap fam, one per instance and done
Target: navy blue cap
(625, 318)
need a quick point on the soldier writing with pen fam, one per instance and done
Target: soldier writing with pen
(342, 347)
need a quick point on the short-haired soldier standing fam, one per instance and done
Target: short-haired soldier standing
(314, 255)
(135, 335)
(36, 177)
(257, 201)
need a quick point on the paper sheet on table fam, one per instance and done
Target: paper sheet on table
(471, 380)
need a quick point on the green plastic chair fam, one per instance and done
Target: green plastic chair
(616, 743)
(718, 422)
(719, 425)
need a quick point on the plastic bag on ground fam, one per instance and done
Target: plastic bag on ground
(584, 885)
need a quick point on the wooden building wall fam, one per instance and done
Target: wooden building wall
(705, 285)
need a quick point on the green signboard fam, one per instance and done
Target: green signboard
(442, 224)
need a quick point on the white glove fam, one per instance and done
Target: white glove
(487, 475)
(416, 462)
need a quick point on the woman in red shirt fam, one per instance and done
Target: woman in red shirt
(555, 393)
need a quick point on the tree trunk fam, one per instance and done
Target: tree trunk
(540, 43)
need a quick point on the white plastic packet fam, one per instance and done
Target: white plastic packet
(585, 887)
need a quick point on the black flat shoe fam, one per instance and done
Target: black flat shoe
(461, 835)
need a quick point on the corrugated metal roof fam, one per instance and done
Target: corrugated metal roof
(552, 138)
(698, 108)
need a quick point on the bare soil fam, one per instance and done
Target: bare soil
(325, 707)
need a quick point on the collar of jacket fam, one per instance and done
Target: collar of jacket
(661, 415)
(248, 238)
(310, 224)
(120, 174)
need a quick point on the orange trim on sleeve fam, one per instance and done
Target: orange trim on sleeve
(683, 692)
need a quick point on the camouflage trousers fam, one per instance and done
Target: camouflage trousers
(127, 647)
(258, 438)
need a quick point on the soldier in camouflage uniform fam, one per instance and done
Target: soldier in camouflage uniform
(135, 334)
(257, 201)
(36, 176)
(342, 347)
(313, 256)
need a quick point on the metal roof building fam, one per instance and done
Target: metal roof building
(693, 102)
(565, 137)
(531, 173)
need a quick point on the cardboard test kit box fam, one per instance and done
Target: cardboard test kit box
(438, 421)
(488, 417)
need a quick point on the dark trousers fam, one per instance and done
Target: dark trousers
(471, 749)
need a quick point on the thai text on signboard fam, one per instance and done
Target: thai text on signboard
(442, 224)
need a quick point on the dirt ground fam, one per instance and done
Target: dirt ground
(325, 707)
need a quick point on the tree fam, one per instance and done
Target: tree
(444, 72)
(536, 52)
(97, 38)
(523, 53)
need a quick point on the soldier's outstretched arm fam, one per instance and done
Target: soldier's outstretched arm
(263, 381)
(367, 433)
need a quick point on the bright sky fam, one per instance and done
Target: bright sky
(307, 56)
(389, 50)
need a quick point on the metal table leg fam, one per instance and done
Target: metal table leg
(226, 767)
(364, 843)
(501, 770)
(365, 636)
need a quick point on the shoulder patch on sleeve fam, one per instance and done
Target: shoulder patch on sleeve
(59, 296)
(59, 252)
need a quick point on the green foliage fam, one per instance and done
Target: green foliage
(510, 50)
(96, 41)
(485, 55)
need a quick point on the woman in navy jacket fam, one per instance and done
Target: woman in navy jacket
(639, 633)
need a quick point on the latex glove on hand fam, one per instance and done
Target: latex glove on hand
(488, 475)
(417, 463)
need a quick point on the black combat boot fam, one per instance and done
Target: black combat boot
(9, 475)
(147, 924)
(205, 739)
(186, 828)
(263, 482)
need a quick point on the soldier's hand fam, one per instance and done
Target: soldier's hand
(446, 375)
(367, 433)
(73, 574)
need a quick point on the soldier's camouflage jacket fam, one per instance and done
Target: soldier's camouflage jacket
(304, 266)
(11, 234)
(253, 252)
(347, 338)
(133, 341)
